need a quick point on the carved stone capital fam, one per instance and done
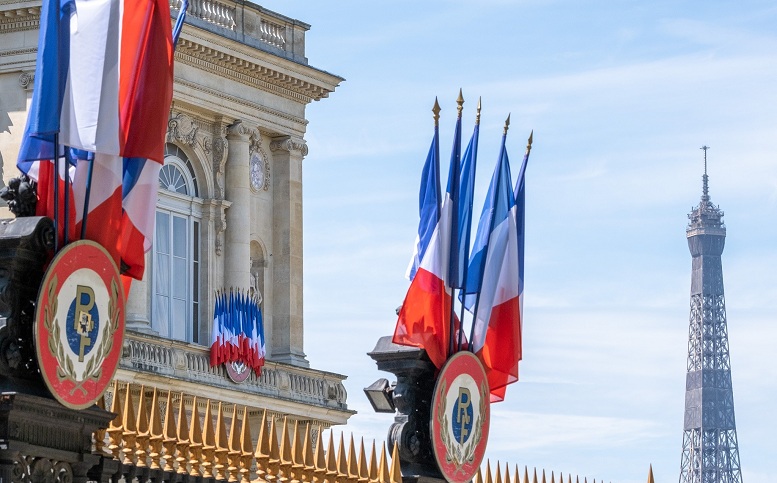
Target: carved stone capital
(238, 131)
(286, 143)
(27, 80)
(181, 128)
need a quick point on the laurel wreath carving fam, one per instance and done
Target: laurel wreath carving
(457, 454)
(65, 368)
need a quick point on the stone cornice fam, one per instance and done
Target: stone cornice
(253, 71)
(251, 105)
(17, 19)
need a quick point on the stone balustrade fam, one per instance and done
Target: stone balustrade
(189, 362)
(248, 23)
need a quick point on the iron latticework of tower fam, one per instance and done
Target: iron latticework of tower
(710, 449)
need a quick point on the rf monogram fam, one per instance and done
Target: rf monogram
(83, 319)
(462, 417)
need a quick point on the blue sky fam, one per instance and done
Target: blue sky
(620, 95)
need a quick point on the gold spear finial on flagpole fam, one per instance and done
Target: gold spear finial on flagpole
(436, 110)
(460, 103)
(477, 116)
(531, 139)
(507, 124)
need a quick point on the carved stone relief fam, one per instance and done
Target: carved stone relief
(286, 143)
(181, 128)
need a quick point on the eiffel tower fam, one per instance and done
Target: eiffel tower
(710, 449)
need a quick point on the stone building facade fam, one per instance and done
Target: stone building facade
(229, 210)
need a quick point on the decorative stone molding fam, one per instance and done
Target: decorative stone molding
(262, 159)
(286, 143)
(218, 149)
(221, 226)
(27, 80)
(19, 19)
(182, 128)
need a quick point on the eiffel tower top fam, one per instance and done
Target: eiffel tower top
(706, 218)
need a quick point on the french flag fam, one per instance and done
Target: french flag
(103, 85)
(425, 317)
(429, 201)
(496, 332)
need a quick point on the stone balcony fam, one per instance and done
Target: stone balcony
(179, 366)
(249, 24)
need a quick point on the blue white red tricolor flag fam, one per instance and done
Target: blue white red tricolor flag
(496, 331)
(237, 334)
(429, 200)
(103, 85)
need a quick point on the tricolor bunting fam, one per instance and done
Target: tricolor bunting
(103, 86)
(237, 333)
(429, 198)
(496, 329)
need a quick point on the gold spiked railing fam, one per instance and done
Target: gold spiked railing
(486, 475)
(164, 437)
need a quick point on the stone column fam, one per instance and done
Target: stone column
(286, 342)
(237, 238)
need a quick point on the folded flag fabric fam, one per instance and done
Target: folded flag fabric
(237, 333)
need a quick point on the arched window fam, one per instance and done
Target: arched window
(176, 275)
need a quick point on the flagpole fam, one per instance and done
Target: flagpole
(65, 223)
(56, 192)
(467, 236)
(86, 196)
(485, 248)
(454, 181)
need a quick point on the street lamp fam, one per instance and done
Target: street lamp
(380, 393)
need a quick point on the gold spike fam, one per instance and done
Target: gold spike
(208, 442)
(129, 433)
(115, 428)
(169, 436)
(222, 445)
(319, 461)
(507, 124)
(535, 475)
(488, 472)
(552, 477)
(274, 464)
(383, 469)
(436, 110)
(395, 475)
(143, 436)
(342, 460)
(195, 435)
(525, 474)
(362, 469)
(262, 453)
(353, 467)
(155, 424)
(285, 447)
(507, 473)
(182, 445)
(460, 103)
(331, 457)
(308, 463)
(650, 474)
(478, 476)
(543, 476)
(247, 447)
(477, 116)
(498, 476)
(296, 447)
(235, 449)
(372, 475)
(99, 434)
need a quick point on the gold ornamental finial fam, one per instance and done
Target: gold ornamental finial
(460, 103)
(489, 479)
(342, 459)
(507, 124)
(383, 468)
(477, 116)
(436, 110)
(373, 464)
(650, 472)
(395, 474)
(353, 467)
(530, 140)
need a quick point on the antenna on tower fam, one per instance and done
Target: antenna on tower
(705, 187)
